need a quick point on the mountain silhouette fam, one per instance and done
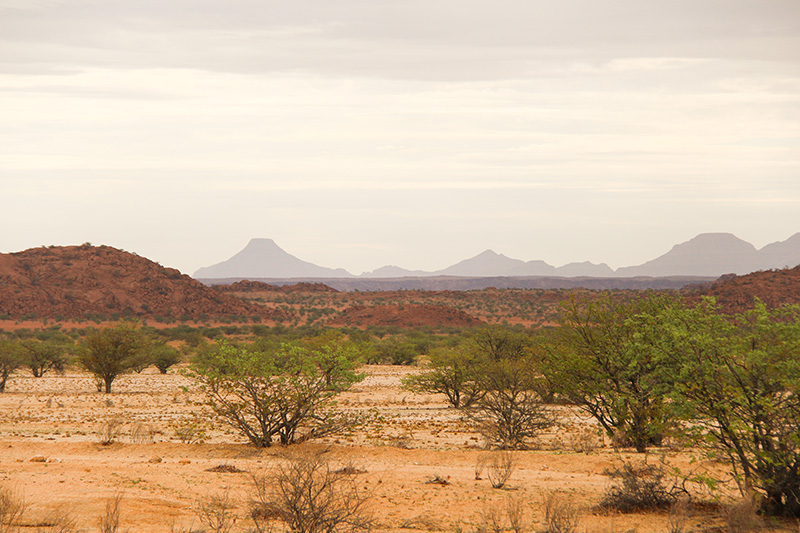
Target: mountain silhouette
(262, 258)
(706, 255)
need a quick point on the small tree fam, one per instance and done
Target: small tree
(10, 359)
(738, 378)
(286, 393)
(43, 356)
(604, 359)
(453, 372)
(163, 356)
(112, 351)
(511, 410)
(500, 342)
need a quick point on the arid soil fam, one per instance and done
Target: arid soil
(51, 455)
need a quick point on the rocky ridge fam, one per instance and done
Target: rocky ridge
(101, 281)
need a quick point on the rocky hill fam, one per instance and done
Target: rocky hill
(737, 293)
(101, 281)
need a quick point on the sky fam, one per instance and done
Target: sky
(364, 133)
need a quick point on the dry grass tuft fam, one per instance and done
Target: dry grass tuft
(12, 507)
(499, 467)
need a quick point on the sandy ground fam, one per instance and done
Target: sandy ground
(51, 456)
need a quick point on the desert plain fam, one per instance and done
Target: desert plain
(418, 463)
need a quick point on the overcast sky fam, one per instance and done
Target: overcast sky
(361, 133)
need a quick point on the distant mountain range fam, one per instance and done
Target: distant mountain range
(707, 255)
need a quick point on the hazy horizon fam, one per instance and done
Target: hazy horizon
(418, 134)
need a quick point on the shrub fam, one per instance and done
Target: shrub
(109, 431)
(499, 468)
(639, 487)
(58, 520)
(741, 516)
(191, 429)
(109, 521)
(11, 508)
(44, 355)
(216, 512)
(738, 379)
(560, 514)
(309, 496)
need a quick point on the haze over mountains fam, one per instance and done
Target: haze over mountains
(707, 255)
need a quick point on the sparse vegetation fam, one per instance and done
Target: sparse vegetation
(285, 393)
(719, 386)
(560, 514)
(216, 512)
(309, 495)
(640, 486)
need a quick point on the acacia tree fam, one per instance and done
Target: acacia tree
(10, 360)
(738, 379)
(511, 410)
(286, 393)
(454, 372)
(112, 351)
(42, 356)
(163, 356)
(600, 361)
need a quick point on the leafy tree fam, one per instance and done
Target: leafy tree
(393, 351)
(454, 372)
(335, 356)
(163, 356)
(509, 404)
(603, 361)
(10, 359)
(286, 393)
(511, 409)
(112, 351)
(500, 342)
(42, 356)
(738, 379)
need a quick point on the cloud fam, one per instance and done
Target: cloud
(431, 40)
